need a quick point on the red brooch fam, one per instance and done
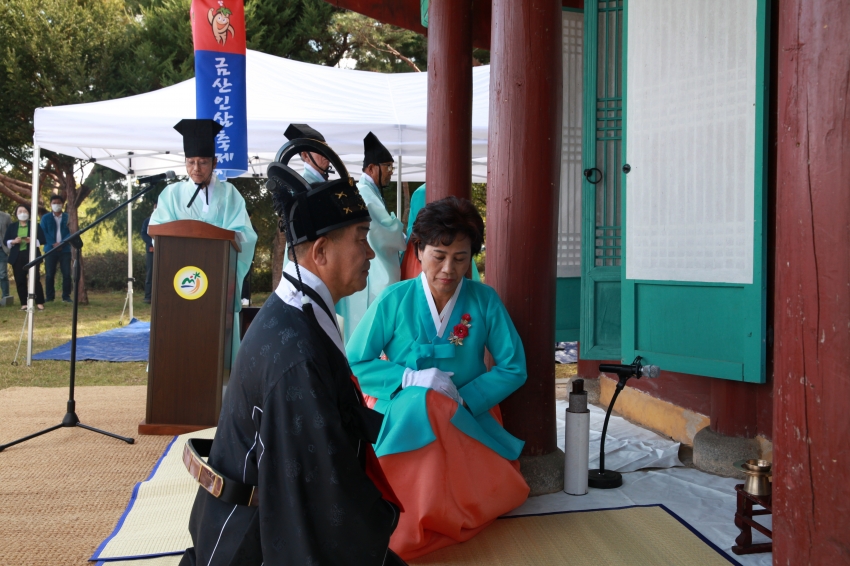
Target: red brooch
(461, 331)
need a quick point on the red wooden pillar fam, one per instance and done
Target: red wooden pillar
(811, 504)
(449, 153)
(523, 162)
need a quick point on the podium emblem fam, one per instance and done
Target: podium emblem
(190, 282)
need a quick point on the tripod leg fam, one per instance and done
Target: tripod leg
(103, 432)
(126, 300)
(21, 339)
(24, 439)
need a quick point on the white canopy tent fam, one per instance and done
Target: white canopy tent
(135, 135)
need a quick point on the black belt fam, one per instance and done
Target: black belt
(217, 484)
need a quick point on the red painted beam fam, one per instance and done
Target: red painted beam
(811, 501)
(449, 150)
(524, 150)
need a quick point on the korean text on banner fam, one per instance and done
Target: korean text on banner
(218, 32)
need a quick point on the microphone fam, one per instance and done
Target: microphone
(600, 477)
(153, 179)
(650, 372)
(635, 369)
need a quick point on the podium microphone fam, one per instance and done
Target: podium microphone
(602, 478)
(154, 179)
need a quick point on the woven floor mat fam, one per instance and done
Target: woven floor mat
(62, 493)
(637, 536)
(156, 521)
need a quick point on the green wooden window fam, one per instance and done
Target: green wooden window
(673, 253)
(602, 156)
(693, 292)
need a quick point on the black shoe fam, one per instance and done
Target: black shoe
(146, 301)
(48, 300)
(67, 301)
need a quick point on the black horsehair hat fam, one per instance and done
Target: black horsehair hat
(295, 131)
(198, 136)
(312, 211)
(374, 151)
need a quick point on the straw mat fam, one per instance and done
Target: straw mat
(156, 521)
(62, 493)
(155, 524)
(638, 536)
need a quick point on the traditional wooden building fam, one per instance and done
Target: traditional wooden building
(670, 180)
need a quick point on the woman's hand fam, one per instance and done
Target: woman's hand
(432, 378)
(17, 240)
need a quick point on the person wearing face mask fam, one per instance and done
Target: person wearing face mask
(207, 199)
(442, 445)
(55, 227)
(18, 240)
(386, 234)
(316, 165)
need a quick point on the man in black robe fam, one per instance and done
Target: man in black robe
(294, 432)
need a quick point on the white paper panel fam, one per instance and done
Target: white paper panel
(569, 214)
(690, 119)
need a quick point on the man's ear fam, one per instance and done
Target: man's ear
(319, 251)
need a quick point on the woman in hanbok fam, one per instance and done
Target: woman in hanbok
(442, 445)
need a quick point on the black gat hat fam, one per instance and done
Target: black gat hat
(198, 136)
(296, 131)
(374, 151)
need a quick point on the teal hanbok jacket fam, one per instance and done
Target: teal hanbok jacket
(399, 324)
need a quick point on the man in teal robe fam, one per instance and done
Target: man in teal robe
(206, 198)
(386, 234)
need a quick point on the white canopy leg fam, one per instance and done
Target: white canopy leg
(398, 193)
(36, 159)
(130, 245)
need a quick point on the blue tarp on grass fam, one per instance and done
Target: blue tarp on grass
(126, 344)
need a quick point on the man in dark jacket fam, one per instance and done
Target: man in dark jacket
(55, 228)
(293, 448)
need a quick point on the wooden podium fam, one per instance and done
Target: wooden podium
(194, 280)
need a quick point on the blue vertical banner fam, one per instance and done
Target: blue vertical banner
(218, 32)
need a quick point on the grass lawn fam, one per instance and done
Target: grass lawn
(52, 327)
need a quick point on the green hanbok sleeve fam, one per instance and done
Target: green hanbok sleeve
(509, 371)
(378, 378)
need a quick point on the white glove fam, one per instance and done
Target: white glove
(432, 378)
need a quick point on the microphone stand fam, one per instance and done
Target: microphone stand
(71, 419)
(601, 478)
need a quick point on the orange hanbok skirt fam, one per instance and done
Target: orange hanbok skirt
(452, 488)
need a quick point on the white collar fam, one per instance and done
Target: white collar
(313, 169)
(441, 320)
(365, 177)
(291, 296)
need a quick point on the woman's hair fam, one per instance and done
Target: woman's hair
(440, 222)
(27, 210)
